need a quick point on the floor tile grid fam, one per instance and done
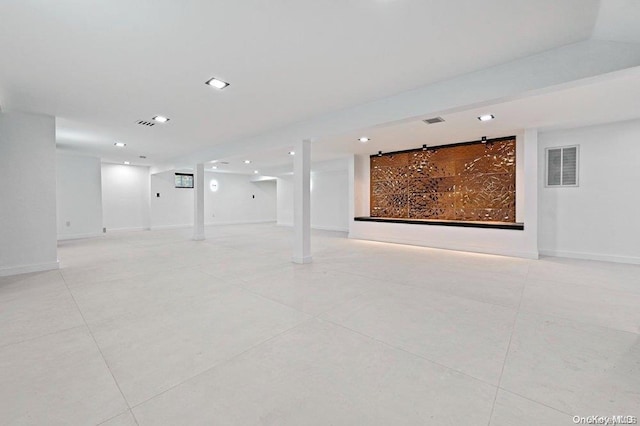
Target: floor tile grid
(506, 354)
(100, 351)
(222, 363)
(17, 342)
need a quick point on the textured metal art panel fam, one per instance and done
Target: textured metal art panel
(465, 182)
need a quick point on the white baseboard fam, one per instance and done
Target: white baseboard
(25, 269)
(79, 236)
(318, 227)
(591, 256)
(468, 248)
(190, 225)
(141, 228)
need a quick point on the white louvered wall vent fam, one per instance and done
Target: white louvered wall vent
(562, 166)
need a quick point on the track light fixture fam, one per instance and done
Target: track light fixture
(484, 139)
(379, 153)
(424, 146)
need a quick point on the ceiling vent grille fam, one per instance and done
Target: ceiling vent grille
(434, 120)
(146, 123)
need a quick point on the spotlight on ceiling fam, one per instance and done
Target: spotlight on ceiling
(127, 163)
(160, 119)
(292, 153)
(486, 117)
(256, 172)
(424, 146)
(379, 153)
(218, 84)
(364, 139)
(214, 167)
(120, 144)
(484, 139)
(247, 161)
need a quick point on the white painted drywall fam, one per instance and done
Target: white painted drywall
(232, 203)
(125, 197)
(598, 219)
(494, 241)
(27, 194)
(79, 196)
(329, 197)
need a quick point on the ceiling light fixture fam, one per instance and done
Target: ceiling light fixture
(364, 139)
(218, 84)
(214, 167)
(127, 163)
(379, 153)
(247, 161)
(255, 171)
(292, 153)
(486, 117)
(484, 139)
(160, 119)
(424, 146)
(120, 144)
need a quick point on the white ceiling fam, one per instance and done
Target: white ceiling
(604, 100)
(101, 66)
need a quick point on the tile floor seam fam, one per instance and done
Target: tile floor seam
(596, 287)
(580, 322)
(31, 339)
(533, 400)
(223, 362)
(404, 284)
(409, 352)
(117, 415)
(115, 381)
(506, 354)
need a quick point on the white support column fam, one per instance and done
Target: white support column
(302, 202)
(198, 203)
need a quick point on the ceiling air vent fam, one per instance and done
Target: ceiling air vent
(146, 123)
(434, 120)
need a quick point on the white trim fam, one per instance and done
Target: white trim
(64, 237)
(318, 227)
(190, 225)
(455, 247)
(141, 228)
(24, 269)
(591, 256)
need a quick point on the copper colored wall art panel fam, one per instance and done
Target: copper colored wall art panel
(473, 181)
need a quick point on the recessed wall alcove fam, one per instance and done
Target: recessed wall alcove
(464, 182)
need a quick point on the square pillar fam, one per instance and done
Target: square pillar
(198, 203)
(302, 202)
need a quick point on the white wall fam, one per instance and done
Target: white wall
(27, 193)
(495, 241)
(598, 219)
(79, 196)
(125, 197)
(232, 203)
(329, 197)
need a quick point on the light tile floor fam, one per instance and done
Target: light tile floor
(152, 328)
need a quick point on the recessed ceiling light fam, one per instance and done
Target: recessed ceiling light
(218, 84)
(486, 117)
(292, 153)
(214, 167)
(247, 161)
(120, 144)
(255, 171)
(364, 139)
(160, 119)
(127, 163)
